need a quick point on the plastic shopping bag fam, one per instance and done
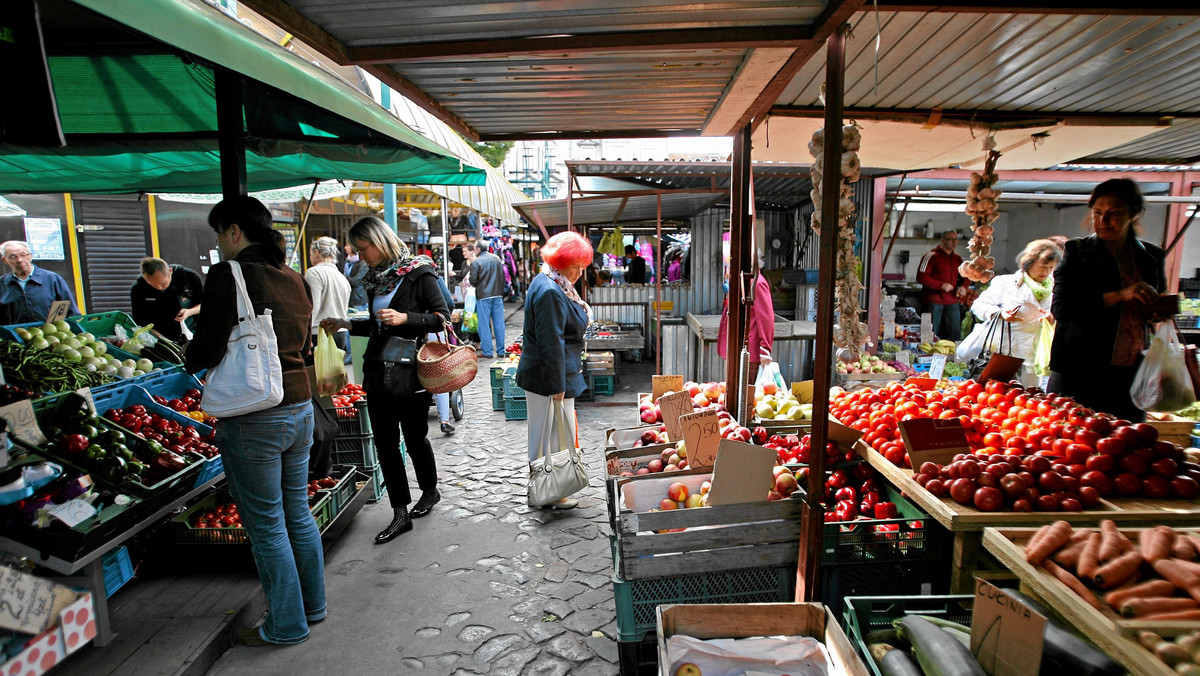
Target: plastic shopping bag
(1162, 382)
(769, 380)
(469, 301)
(974, 343)
(329, 363)
(471, 323)
(1041, 353)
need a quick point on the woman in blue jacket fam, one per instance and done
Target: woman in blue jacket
(556, 317)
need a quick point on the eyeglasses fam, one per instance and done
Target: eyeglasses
(359, 249)
(18, 256)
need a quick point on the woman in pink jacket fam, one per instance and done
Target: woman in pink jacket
(760, 332)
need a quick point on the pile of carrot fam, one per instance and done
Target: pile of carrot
(1156, 578)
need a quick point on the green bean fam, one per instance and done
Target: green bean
(45, 371)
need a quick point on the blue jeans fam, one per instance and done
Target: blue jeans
(266, 464)
(491, 318)
(947, 321)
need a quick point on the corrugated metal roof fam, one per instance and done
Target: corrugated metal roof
(610, 210)
(1016, 62)
(1179, 144)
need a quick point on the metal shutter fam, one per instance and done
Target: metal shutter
(112, 244)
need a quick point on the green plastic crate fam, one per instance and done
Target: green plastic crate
(511, 389)
(637, 600)
(497, 376)
(604, 385)
(103, 324)
(352, 420)
(865, 614)
(879, 579)
(497, 399)
(917, 537)
(341, 494)
(515, 409)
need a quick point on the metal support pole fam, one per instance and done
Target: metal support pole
(231, 133)
(808, 578)
(658, 288)
(741, 231)
(446, 240)
(389, 189)
(570, 198)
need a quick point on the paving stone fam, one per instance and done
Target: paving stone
(496, 645)
(501, 589)
(459, 513)
(412, 663)
(475, 632)
(428, 632)
(548, 666)
(604, 648)
(508, 571)
(610, 630)
(512, 662)
(587, 532)
(567, 590)
(559, 541)
(597, 667)
(522, 537)
(447, 659)
(543, 631)
(592, 598)
(556, 573)
(569, 647)
(558, 608)
(573, 554)
(593, 581)
(458, 572)
(593, 564)
(530, 607)
(587, 621)
(457, 618)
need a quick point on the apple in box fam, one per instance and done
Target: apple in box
(677, 491)
(649, 437)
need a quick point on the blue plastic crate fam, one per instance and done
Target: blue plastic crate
(170, 382)
(497, 399)
(211, 469)
(604, 385)
(514, 409)
(118, 570)
(511, 389)
(9, 331)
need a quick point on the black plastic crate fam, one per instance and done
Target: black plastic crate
(639, 658)
(882, 579)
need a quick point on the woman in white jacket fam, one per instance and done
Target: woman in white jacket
(1023, 300)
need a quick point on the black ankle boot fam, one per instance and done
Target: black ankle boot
(401, 523)
(426, 503)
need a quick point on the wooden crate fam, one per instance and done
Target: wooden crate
(726, 537)
(1171, 425)
(633, 459)
(1114, 635)
(709, 621)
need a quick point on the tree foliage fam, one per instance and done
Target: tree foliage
(493, 152)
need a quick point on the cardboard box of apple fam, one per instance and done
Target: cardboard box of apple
(780, 405)
(867, 363)
(705, 397)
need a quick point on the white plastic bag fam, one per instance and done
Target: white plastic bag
(771, 656)
(469, 301)
(1162, 382)
(769, 374)
(974, 343)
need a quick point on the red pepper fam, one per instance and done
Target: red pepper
(845, 493)
(73, 444)
(886, 510)
(130, 422)
(839, 478)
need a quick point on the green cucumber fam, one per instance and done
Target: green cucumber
(898, 663)
(938, 653)
(1063, 652)
(958, 631)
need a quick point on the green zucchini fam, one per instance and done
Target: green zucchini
(938, 653)
(1063, 652)
(958, 631)
(898, 663)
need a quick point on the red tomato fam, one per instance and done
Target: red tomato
(1127, 484)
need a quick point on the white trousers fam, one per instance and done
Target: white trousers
(538, 408)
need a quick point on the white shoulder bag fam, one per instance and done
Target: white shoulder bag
(249, 378)
(558, 470)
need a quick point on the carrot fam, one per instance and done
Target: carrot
(1054, 539)
(1177, 615)
(1146, 589)
(1089, 559)
(1073, 583)
(1183, 549)
(1110, 546)
(1179, 575)
(1154, 605)
(1191, 566)
(1195, 540)
(1120, 569)
(1068, 556)
(1156, 543)
(1037, 537)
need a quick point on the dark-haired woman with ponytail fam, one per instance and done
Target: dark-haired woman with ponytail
(266, 452)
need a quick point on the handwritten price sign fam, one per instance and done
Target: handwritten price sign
(673, 406)
(702, 436)
(660, 385)
(28, 604)
(22, 422)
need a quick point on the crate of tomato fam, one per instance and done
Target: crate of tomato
(350, 411)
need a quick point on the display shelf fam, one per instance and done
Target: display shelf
(967, 523)
(1105, 630)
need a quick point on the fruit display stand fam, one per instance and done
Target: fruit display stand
(713, 621)
(967, 523)
(1105, 629)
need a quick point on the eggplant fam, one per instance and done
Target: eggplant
(1064, 652)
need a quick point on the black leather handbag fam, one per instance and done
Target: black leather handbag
(390, 366)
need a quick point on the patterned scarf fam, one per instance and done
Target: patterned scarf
(382, 279)
(567, 288)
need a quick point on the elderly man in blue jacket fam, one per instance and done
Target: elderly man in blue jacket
(27, 292)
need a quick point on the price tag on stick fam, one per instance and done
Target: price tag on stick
(701, 436)
(937, 366)
(672, 406)
(58, 310)
(660, 385)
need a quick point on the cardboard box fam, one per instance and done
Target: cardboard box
(73, 626)
(710, 621)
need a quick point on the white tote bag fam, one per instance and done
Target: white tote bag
(558, 471)
(249, 378)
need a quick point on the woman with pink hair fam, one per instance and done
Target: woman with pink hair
(551, 368)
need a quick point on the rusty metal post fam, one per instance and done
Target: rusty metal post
(808, 581)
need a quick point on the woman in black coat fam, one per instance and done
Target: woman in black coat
(405, 302)
(1105, 288)
(552, 346)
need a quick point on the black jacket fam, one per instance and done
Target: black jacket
(1086, 331)
(418, 295)
(552, 346)
(358, 294)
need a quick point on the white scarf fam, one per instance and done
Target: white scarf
(567, 288)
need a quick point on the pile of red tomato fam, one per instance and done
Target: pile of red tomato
(225, 516)
(1054, 448)
(345, 399)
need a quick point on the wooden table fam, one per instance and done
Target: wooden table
(1110, 633)
(620, 341)
(967, 523)
(704, 331)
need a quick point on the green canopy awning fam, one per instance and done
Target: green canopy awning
(137, 104)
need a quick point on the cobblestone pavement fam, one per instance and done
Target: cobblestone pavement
(484, 585)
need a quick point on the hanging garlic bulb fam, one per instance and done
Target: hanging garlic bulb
(983, 209)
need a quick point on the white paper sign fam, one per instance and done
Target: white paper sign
(904, 357)
(73, 512)
(937, 366)
(45, 239)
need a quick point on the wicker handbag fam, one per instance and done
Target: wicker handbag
(445, 367)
